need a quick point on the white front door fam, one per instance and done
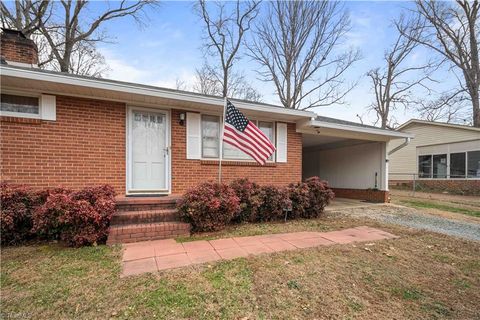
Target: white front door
(148, 151)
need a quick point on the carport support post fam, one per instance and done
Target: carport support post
(384, 167)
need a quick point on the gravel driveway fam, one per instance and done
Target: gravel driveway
(416, 219)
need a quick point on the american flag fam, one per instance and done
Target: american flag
(243, 134)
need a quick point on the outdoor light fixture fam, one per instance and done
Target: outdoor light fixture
(182, 119)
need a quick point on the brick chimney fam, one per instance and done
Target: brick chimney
(16, 49)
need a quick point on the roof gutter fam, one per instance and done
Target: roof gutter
(375, 131)
(404, 144)
(134, 88)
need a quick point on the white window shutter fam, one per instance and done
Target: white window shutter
(48, 107)
(193, 136)
(281, 142)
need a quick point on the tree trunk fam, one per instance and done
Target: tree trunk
(384, 121)
(476, 109)
(225, 83)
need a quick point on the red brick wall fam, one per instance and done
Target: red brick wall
(360, 194)
(188, 173)
(84, 146)
(18, 49)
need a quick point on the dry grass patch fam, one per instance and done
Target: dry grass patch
(420, 275)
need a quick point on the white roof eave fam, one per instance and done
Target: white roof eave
(145, 90)
(315, 124)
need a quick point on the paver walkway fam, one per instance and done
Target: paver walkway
(151, 256)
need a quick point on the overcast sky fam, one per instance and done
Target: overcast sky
(169, 48)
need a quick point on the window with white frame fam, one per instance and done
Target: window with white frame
(19, 105)
(210, 136)
(211, 139)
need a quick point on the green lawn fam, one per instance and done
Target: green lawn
(420, 275)
(425, 204)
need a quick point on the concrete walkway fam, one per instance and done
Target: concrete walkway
(152, 256)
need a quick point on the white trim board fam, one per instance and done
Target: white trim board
(133, 88)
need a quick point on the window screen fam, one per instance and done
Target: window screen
(425, 166)
(210, 136)
(473, 164)
(19, 104)
(440, 166)
(267, 129)
(457, 165)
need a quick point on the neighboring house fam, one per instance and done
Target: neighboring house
(75, 131)
(441, 156)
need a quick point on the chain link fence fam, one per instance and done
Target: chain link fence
(414, 182)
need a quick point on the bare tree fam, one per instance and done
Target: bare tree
(452, 30)
(448, 107)
(225, 33)
(207, 82)
(75, 29)
(66, 33)
(180, 84)
(297, 46)
(394, 84)
(26, 15)
(86, 61)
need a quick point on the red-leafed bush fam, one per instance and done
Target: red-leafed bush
(320, 196)
(78, 218)
(209, 206)
(47, 217)
(16, 205)
(250, 196)
(90, 219)
(299, 194)
(274, 201)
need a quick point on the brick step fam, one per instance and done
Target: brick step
(145, 203)
(147, 231)
(150, 216)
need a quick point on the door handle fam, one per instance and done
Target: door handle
(166, 150)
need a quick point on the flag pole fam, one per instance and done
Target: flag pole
(221, 142)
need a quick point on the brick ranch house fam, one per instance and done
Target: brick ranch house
(75, 131)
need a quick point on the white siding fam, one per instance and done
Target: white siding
(352, 167)
(405, 160)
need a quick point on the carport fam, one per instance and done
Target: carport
(352, 157)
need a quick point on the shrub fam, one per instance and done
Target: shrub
(17, 203)
(299, 195)
(273, 201)
(92, 215)
(78, 218)
(320, 196)
(47, 216)
(250, 198)
(209, 206)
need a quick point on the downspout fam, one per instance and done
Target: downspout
(403, 145)
(407, 141)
